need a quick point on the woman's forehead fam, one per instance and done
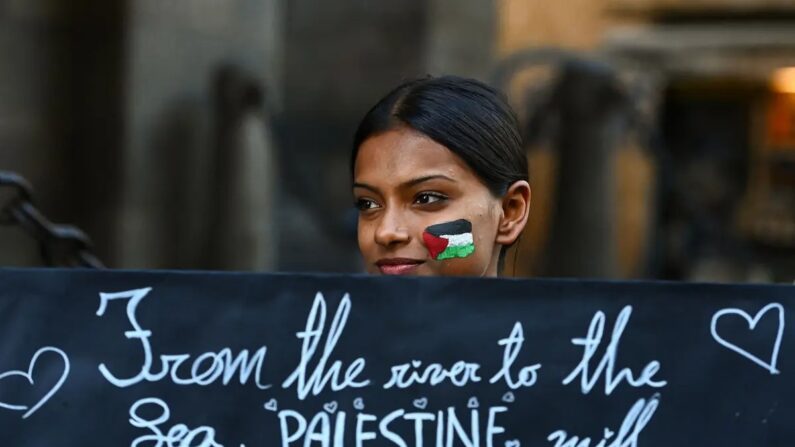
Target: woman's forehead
(404, 153)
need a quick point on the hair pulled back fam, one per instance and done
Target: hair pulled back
(468, 117)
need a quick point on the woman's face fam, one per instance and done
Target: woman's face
(404, 182)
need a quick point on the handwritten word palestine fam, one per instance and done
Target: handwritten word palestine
(398, 428)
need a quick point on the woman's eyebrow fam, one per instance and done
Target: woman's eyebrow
(408, 183)
(418, 180)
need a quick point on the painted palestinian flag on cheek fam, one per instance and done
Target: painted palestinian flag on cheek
(449, 240)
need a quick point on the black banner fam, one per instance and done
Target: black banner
(166, 359)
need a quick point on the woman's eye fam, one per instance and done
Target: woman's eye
(365, 204)
(427, 198)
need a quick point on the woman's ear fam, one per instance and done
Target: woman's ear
(515, 209)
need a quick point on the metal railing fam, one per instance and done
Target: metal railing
(59, 245)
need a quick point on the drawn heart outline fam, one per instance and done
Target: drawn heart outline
(752, 322)
(473, 402)
(358, 404)
(330, 407)
(271, 405)
(28, 375)
(508, 397)
(421, 403)
(513, 443)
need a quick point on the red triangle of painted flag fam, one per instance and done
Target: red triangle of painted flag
(435, 244)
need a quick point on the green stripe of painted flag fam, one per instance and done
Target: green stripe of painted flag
(456, 251)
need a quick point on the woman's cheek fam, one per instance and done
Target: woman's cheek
(470, 266)
(364, 236)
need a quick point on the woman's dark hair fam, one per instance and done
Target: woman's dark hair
(467, 116)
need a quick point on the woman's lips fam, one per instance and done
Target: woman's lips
(397, 266)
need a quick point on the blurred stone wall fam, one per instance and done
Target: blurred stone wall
(173, 52)
(107, 108)
(726, 46)
(60, 123)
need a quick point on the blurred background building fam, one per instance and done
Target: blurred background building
(215, 134)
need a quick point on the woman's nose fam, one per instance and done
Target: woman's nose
(391, 230)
